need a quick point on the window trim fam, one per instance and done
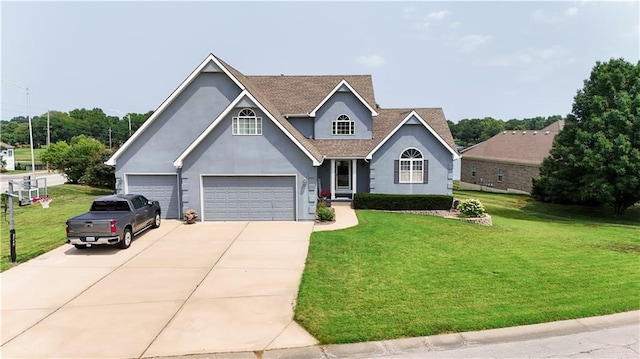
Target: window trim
(412, 163)
(342, 119)
(254, 123)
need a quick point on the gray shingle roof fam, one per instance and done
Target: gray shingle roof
(526, 147)
(287, 95)
(301, 94)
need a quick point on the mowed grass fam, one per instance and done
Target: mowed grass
(40, 230)
(23, 155)
(400, 275)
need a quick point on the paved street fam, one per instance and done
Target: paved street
(53, 179)
(619, 342)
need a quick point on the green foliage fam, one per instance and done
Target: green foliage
(81, 161)
(384, 201)
(468, 132)
(596, 157)
(109, 130)
(325, 214)
(471, 208)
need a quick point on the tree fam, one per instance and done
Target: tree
(75, 159)
(596, 157)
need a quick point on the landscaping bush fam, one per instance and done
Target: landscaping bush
(400, 202)
(325, 214)
(471, 208)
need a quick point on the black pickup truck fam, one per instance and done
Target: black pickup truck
(113, 219)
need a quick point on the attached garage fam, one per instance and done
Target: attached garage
(161, 188)
(249, 198)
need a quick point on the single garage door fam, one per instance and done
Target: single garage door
(161, 188)
(239, 198)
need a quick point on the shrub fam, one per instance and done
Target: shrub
(471, 208)
(322, 204)
(400, 202)
(325, 214)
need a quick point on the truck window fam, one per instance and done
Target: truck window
(103, 206)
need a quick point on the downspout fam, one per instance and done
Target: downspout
(180, 204)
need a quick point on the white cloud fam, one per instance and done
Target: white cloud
(437, 15)
(541, 15)
(370, 61)
(526, 57)
(572, 11)
(469, 43)
(454, 25)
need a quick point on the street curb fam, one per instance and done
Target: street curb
(435, 342)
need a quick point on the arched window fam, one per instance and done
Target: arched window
(411, 166)
(247, 123)
(343, 125)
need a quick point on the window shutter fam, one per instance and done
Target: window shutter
(396, 171)
(425, 174)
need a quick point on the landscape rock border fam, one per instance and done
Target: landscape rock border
(452, 214)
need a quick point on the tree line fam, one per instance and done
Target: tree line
(111, 131)
(468, 132)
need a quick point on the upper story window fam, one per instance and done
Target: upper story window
(247, 123)
(343, 125)
(411, 166)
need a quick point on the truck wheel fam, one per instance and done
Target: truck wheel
(126, 239)
(156, 220)
(80, 246)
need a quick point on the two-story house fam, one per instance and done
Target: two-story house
(238, 147)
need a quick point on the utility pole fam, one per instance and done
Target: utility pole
(33, 162)
(48, 137)
(110, 147)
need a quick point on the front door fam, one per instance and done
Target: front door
(343, 175)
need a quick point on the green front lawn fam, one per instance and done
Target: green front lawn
(399, 275)
(40, 230)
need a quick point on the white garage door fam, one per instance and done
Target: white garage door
(249, 198)
(161, 188)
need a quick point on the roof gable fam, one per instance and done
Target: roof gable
(346, 88)
(243, 98)
(210, 62)
(436, 130)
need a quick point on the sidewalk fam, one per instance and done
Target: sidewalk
(345, 218)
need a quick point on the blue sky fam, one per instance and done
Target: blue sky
(474, 59)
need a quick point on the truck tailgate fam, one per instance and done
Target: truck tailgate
(92, 223)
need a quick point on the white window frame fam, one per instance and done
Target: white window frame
(413, 171)
(338, 126)
(247, 123)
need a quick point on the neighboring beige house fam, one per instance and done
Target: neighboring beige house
(508, 161)
(7, 154)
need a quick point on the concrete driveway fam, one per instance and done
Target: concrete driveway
(179, 289)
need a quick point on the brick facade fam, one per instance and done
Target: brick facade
(515, 176)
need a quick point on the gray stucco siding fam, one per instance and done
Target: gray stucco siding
(304, 125)
(417, 136)
(272, 153)
(348, 104)
(175, 128)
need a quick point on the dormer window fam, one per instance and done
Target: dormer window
(343, 125)
(247, 123)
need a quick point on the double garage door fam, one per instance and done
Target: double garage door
(161, 188)
(239, 198)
